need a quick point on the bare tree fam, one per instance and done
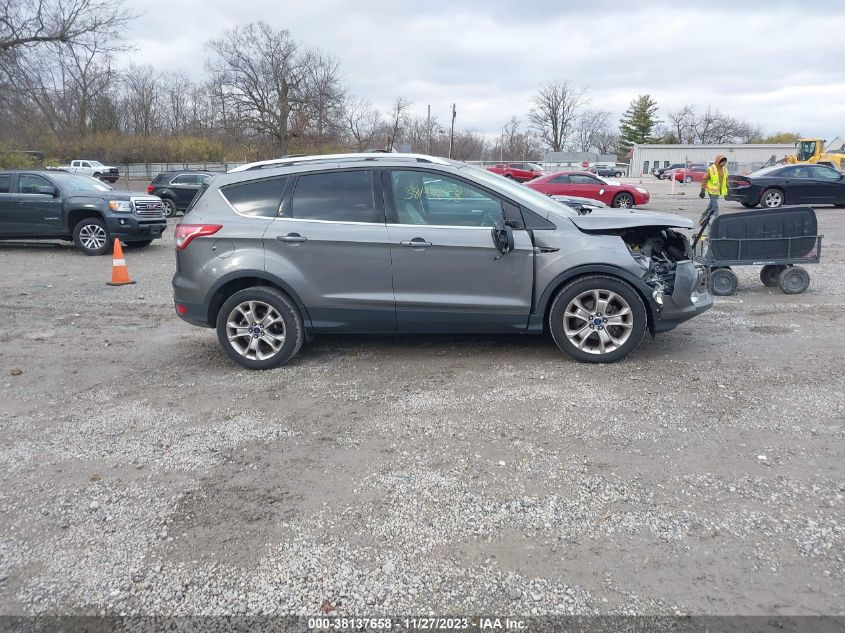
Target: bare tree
(556, 108)
(590, 126)
(362, 120)
(398, 119)
(27, 23)
(261, 75)
(141, 101)
(323, 97)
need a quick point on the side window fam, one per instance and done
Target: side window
(256, 198)
(435, 199)
(560, 180)
(85, 164)
(581, 179)
(824, 173)
(5, 183)
(185, 179)
(31, 183)
(341, 196)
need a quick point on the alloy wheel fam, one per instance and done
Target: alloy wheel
(93, 237)
(773, 199)
(598, 321)
(255, 330)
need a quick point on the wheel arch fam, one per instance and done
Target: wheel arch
(74, 216)
(226, 286)
(544, 304)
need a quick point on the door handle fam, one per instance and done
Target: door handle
(291, 237)
(417, 242)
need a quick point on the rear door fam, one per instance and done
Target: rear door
(185, 186)
(330, 243)
(447, 274)
(35, 210)
(7, 204)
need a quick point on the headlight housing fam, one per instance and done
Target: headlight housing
(641, 190)
(124, 206)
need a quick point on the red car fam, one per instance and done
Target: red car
(689, 174)
(586, 185)
(521, 172)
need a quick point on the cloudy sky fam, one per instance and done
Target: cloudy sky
(775, 62)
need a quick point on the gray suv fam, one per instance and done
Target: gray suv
(275, 251)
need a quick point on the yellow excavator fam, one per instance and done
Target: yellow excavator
(812, 150)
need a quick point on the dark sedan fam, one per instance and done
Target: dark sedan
(773, 187)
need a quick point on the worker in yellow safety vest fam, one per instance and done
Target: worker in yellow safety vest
(715, 184)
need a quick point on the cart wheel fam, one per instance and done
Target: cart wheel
(723, 282)
(794, 280)
(770, 274)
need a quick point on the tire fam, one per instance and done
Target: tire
(92, 237)
(794, 280)
(139, 243)
(623, 201)
(262, 301)
(770, 275)
(586, 343)
(723, 282)
(169, 207)
(748, 205)
(772, 198)
(509, 176)
(839, 206)
(687, 179)
(97, 175)
(618, 174)
(112, 180)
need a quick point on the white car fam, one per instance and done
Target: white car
(92, 168)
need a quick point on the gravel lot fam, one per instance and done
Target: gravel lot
(143, 473)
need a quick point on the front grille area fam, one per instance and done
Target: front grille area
(149, 208)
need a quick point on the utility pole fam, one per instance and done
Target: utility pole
(452, 133)
(428, 128)
(502, 146)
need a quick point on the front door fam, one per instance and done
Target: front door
(330, 244)
(35, 210)
(447, 274)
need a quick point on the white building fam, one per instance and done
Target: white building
(741, 158)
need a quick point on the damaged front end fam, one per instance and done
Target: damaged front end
(678, 287)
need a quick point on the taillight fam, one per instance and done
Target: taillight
(150, 188)
(185, 233)
(741, 182)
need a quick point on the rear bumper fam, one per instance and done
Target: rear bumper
(749, 197)
(193, 313)
(131, 228)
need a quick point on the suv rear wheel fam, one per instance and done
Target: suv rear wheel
(260, 328)
(598, 319)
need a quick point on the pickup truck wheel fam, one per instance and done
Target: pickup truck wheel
(598, 319)
(91, 236)
(169, 207)
(260, 328)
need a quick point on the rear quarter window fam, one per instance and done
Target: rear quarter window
(255, 198)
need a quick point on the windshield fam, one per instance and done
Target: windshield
(767, 171)
(95, 163)
(75, 182)
(806, 149)
(535, 200)
(533, 167)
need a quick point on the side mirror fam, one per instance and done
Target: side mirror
(583, 209)
(502, 235)
(48, 190)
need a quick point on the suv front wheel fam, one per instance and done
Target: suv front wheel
(260, 328)
(597, 319)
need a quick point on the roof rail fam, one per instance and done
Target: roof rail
(335, 158)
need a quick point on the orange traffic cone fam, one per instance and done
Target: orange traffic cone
(119, 271)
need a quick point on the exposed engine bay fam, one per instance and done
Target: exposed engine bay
(657, 250)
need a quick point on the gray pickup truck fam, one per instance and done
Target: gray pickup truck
(64, 206)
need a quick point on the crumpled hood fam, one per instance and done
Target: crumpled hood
(603, 219)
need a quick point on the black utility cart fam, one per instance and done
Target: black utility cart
(776, 239)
